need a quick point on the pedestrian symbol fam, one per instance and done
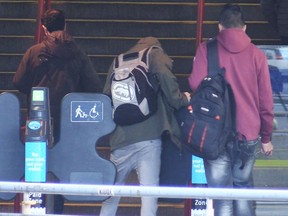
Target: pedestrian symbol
(86, 111)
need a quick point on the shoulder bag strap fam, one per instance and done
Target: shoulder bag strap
(212, 57)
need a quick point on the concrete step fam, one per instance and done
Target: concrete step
(127, 209)
(262, 209)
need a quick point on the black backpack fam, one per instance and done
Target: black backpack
(133, 91)
(208, 123)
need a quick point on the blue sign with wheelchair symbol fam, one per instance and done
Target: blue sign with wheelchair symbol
(86, 111)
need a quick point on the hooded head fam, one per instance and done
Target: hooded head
(144, 43)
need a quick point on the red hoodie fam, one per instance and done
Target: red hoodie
(247, 72)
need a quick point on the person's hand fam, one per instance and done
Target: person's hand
(188, 95)
(267, 148)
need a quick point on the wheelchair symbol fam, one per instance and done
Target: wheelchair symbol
(93, 112)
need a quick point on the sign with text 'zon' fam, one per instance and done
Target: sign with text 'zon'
(198, 180)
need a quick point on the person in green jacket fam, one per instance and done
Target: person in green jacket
(138, 146)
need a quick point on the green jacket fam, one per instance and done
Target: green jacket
(169, 99)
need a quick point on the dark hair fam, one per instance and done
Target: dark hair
(53, 20)
(232, 16)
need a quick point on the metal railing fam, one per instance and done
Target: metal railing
(43, 5)
(138, 191)
(200, 15)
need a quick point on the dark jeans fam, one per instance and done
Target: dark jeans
(228, 171)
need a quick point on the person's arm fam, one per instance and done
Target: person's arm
(161, 64)
(265, 100)
(23, 78)
(199, 70)
(267, 148)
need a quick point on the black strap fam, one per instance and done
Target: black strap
(213, 69)
(130, 56)
(212, 57)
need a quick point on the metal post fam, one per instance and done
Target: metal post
(43, 5)
(200, 14)
(209, 207)
(26, 204)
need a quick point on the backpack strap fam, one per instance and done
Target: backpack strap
(116, 62)
(144, 54)
(213, 69)
(126, 57)
(212, 57)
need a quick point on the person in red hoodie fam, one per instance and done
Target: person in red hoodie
(247, 72)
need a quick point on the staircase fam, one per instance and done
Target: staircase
(103, 29)
(106, 28)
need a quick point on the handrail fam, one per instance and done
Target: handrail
(43, 5)
(139, 191)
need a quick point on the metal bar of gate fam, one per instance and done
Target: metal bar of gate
(138, 191)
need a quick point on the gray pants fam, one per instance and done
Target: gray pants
(144, 157)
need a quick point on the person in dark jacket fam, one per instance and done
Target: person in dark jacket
(276, 13)
(246, 70)
(138, 146)
(59, 64)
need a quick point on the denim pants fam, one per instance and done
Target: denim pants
(228, 171)
(144, 157)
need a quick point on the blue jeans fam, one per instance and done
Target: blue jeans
(144, 157)
(228, 171)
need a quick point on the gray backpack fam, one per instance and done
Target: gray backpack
(133, 95)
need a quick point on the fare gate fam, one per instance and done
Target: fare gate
(12, 150)
(85, 117)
